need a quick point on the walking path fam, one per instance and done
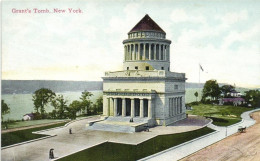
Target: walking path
(81, 138)
(30, 127)
(185, 149)
(66, 144)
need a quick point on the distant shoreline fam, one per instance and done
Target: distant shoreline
(30, 86)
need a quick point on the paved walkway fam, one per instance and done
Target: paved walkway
(240, 146)
(29, 127)
(180, 151)
(65, 143)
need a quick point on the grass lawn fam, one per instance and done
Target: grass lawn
(17, 124)
(126, 152)
(221, 115)
(223, 121)
(24, 135)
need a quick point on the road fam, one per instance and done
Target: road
(238, 147)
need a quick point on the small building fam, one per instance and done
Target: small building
(28, 117)
(236, 101)
(234, 93)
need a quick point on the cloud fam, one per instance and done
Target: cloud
(250, 35)
(83, 47)
(180, 15)
(233, 17)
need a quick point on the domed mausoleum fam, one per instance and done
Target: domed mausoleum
(145, 90)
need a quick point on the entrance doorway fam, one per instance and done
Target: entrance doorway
(119, 107)
(137, 107)
(128, 106)
(145, 108)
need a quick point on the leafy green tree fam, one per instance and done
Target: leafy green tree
(60, 105)
(86, 103)
(41, 98)
(211, 89)
(4, 109)
(98, 106)
(73, 108)
(253, 97)
(196, 95)
(226, 89)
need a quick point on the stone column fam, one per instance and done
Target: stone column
(124, 53)
(150, 110)
(130, 52)
(170, 107)
(175, 106)
(132, 107)
(144, 51)
(160, 52)
(139, 51)
(177, 110)
(154, 51)
(111, 107)
(123, 107)
(108, 107)
(115, 107)
(134, 58)
(141, 108)
(150, 55)
(165, 52)
(180, 104)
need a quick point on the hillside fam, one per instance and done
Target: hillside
(29, 86)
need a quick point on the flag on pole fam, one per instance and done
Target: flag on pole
(201, 68)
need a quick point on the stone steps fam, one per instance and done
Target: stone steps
(127, 119)
(110, 124)
(113, 128)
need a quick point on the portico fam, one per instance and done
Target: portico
(130, 107)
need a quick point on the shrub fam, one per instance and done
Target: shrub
(206, 101)
(218, 119)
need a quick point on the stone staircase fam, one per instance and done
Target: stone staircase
(114, 128)
(127, 119)
(120, 124)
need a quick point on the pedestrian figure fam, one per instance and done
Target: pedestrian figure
(51, 155)
(70, 131)
(131, 120)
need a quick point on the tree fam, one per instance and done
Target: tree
(86, 103)
(211, 89)
(41, 97)
(226, 89)
(60, 105)
(4, 109)
(196, 95)
(73, 108)
(253, 97)
(98, 106)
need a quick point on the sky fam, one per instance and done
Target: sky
(223, 36)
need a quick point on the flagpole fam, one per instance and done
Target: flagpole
(199, 74)
(199, 78)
